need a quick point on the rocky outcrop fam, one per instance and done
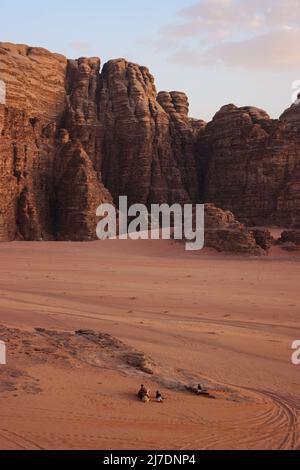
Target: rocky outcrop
(69, 132)
(141, 143)
(263, 238)
(49, 187)
(34, 105)
(74, 212)
(291, 116)
(146, 143)
(225, 234)
(290, 236)
(23, 209)
(73, 136)
(87, 128)
(290, 240)
(252, 166)
(35, 80)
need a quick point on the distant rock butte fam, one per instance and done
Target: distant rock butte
(73, 136)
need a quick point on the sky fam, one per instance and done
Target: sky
(244, 52)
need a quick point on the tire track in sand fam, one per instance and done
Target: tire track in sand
(19, 441)
(284, 415)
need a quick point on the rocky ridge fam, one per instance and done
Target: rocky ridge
(252, 165)
(73, 135)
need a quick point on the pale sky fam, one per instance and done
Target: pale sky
(244, 52)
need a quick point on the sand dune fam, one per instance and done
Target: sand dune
(154, 314)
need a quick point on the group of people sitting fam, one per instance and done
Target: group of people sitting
(144, 395)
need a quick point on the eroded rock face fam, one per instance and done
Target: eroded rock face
(50, 188)
(225, 234)
(291, 116)
(290, 236)
(252, 166)
(143, 145)
(35, 80)
(35, 103)
(263, 238)
(69, 132)
(146, 144)
(24, 176)
(74, 211)
(73, 136)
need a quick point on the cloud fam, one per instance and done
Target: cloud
(275, 50)
(247, 33)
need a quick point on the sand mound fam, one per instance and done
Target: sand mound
(70, 349)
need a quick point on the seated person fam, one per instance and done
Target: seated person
(143, 392)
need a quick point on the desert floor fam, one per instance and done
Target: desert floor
(227, 322)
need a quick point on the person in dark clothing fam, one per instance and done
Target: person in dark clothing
(143, 392)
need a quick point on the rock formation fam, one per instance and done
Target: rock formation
(224, 233)
(35, 80)
(68, 132)
(291, 116)
(292, 236)
(252, 165)
(263, 238)
(73, 136)
(146, 144)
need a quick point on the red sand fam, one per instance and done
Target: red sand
(227, 321)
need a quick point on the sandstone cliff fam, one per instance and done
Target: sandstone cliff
(49, 188)
(69, 132)
(35, 80)
(73, 136)
(146, 146)
(252, 166)
(291, 116)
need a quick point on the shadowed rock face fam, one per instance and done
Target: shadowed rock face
(290, 236)
(252, 165)
(74, 213)
(26, 163)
